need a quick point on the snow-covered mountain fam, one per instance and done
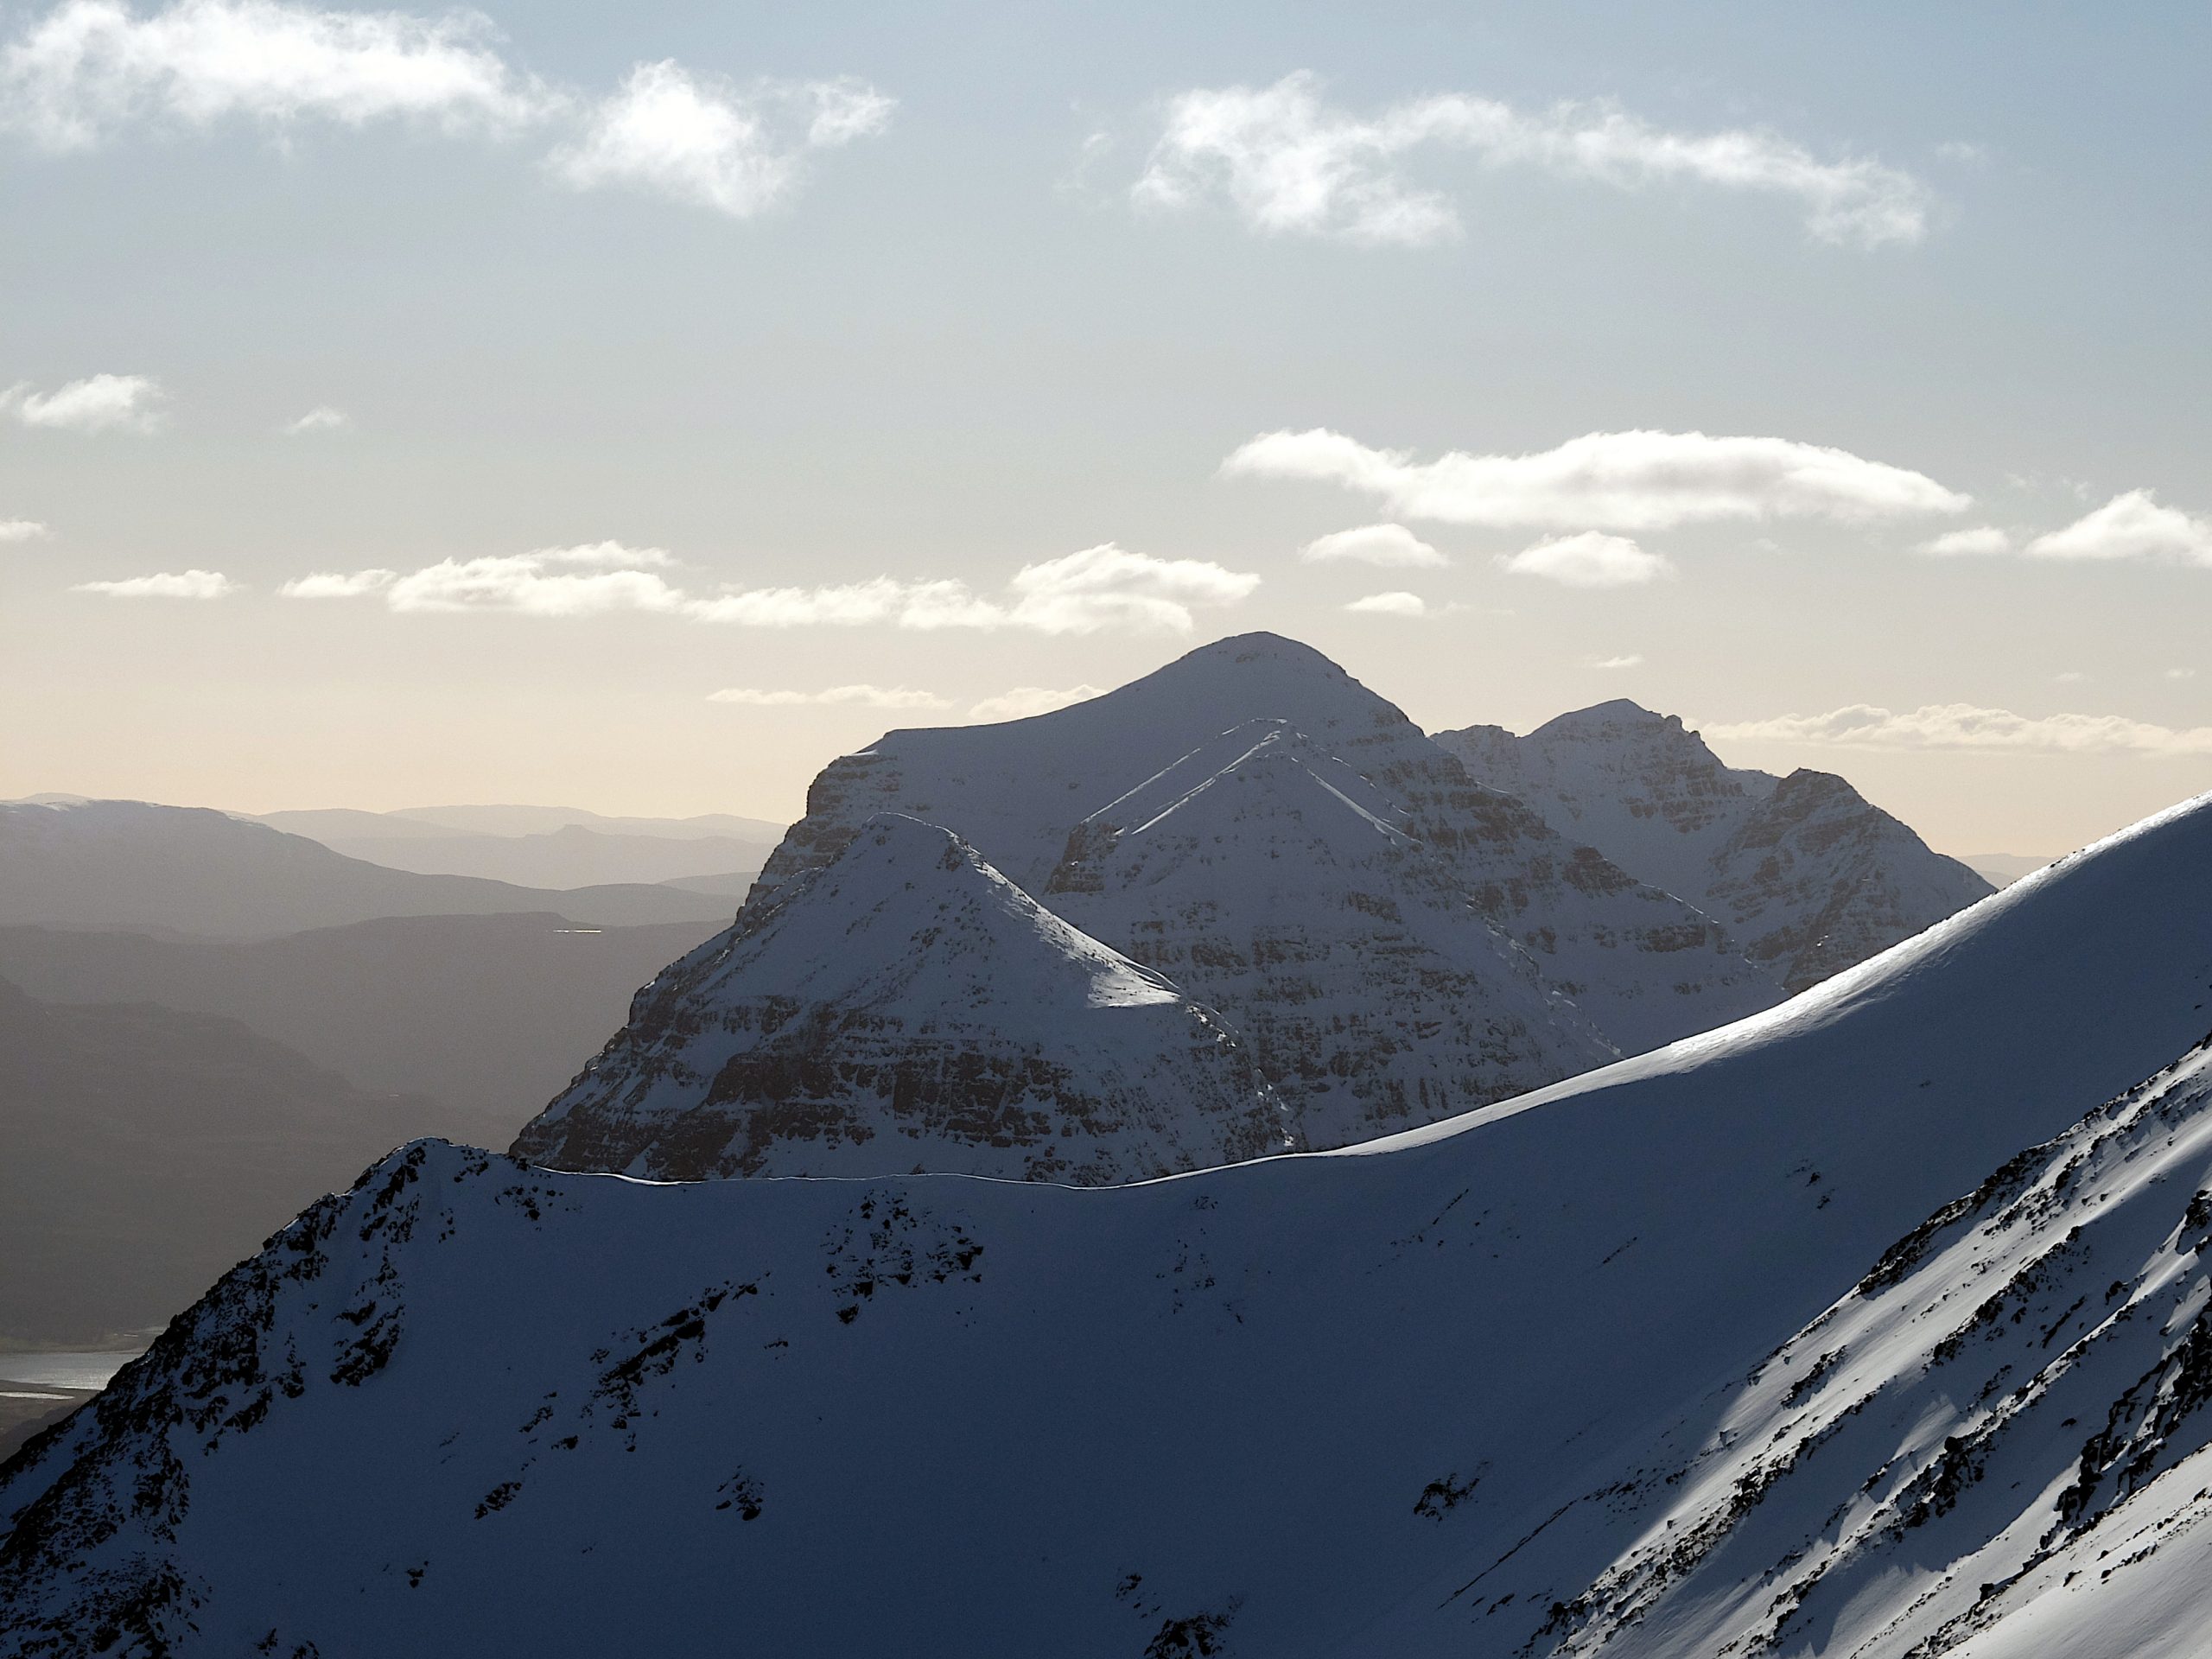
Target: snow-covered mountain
(1806, 874)
(1421, 1398)
(907, 1007)
(1642, 967)
(1995, 1443)
(1262, 874)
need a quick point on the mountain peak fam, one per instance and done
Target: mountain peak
(1615, 715)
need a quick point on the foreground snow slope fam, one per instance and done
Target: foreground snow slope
(1395, 1402)
(908, 1007)
(1997, 1436)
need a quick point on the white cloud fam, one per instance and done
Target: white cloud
(1617, 480)
(869, 696)
(1955, 543)
(530, 584)
(1024, 701)
(322, 418)
(100, 402)
(1591, 559)
(1383, 544)
(2181, 673)
(2071, 677)
(1391, 604)
(701, 141)
(333, 584)
(90, 68)
(606, 556)
(180, 584)
(1102, 587)
(1629, 661)
(1287, 163)
(1962, 726)
(2131, 526)
(21, 530)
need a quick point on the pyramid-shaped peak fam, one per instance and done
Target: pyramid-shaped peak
(1614, 715)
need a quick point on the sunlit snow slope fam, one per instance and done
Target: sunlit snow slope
(908, 1007)
(1423, 1399)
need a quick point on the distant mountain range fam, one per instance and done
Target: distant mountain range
(1876, 1324)
(512, 822)
(132, 864)
(1808, 876)
(543, 847)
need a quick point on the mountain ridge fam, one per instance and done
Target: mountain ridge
(1398, 1401)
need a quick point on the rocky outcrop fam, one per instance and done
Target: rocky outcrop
(1642, 966)
(903, 1008)
(1264, 875)
(1806, 875)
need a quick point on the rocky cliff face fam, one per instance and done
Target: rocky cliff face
(1262, 874)
(905, 1006)
(1996, 1442)
(1806, 875)
(1643, 967)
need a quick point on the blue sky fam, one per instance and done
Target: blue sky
(770, 347)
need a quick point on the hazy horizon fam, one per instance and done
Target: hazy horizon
(636, 410)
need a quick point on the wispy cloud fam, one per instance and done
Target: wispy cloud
(322, 418)
(100, 402)
(1382, 544)
(1612, 480)
(2181, 673)
(21, 530)
(1629, 661)
(1287, 163)
(179, 584)
(2131, 525)
(1023, 701)
(1962, 726)
(1390, 604)
(702, 141)
(331, 584)
(90, 70)
(1982, 541)
(1099, 587)
(867, 696)
(1591, 559)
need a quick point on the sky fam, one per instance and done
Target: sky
(634, 408)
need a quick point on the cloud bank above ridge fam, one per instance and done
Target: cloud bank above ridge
(1099, 587)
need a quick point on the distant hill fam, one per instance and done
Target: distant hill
(132, 864)
(492, 1015)
(143, 1150)
(560, 859)
(544, 820)
(2002, 869)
